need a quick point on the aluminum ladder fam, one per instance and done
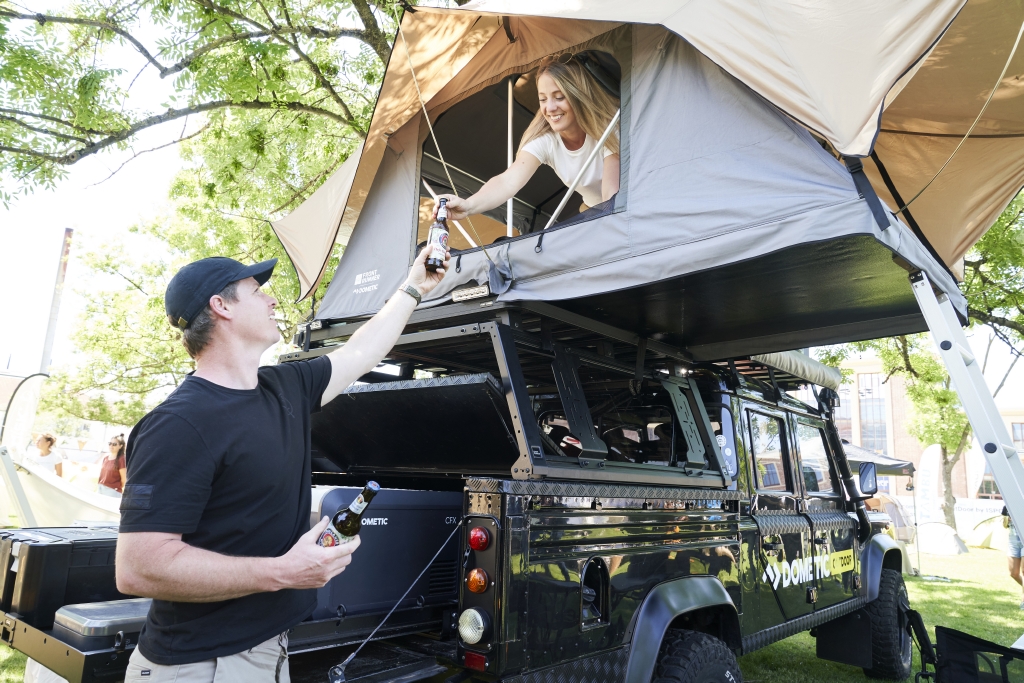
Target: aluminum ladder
(975, 396)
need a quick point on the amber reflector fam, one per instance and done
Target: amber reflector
(479, 539)
(477, 581)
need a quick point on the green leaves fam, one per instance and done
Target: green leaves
(66, 80)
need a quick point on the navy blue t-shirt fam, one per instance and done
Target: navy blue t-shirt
(229, 470)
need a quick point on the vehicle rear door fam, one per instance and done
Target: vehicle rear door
(784, 531)
(833, 532)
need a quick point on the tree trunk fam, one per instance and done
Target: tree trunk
(948, 463)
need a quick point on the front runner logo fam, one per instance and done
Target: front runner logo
(802, 570)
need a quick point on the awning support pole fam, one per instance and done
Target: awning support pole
(508, 204)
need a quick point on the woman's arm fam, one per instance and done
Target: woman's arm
(495, 191)
(610, 177)
(124, 477)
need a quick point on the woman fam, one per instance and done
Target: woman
(575, 109)
(47, 457)
(1013, 551)
(113, 472)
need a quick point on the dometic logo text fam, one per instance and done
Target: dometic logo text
(802, 570)
(375, 521)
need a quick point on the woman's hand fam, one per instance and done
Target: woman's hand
(458, 208)
(421, 278)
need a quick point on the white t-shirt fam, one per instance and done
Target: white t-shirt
(549, 149)
(48, 461)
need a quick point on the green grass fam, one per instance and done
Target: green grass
(980, 599)
(12, 665)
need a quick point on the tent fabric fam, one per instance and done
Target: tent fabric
(325, 207)
(923, 125)
(733, 179)
(831, 70)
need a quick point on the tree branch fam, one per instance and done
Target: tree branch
(75, 21)
(44, 131)
(989, 319)
(172, 114)
(375, 38)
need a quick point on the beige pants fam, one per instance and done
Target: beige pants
(265, 663)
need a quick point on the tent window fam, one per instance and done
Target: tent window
(473, 135)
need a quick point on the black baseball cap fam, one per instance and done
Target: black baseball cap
(189, 291)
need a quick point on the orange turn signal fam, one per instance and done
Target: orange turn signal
(476, 581)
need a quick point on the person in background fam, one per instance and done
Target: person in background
(46, 456)
(112, 469)
(1013, 552)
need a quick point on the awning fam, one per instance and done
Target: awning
(884, 465)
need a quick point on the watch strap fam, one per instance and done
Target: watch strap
(413, 292)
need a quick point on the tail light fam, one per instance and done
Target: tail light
(479, 538)
(473, 626)
(477, 580)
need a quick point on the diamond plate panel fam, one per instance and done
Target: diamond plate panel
(454, 380)
(606, 667)
(831, 521)
(596, 490)
(776, 523)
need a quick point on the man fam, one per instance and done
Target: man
(215, 513)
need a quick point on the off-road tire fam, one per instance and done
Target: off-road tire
(891, 653)
(694, 657)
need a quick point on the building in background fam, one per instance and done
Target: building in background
(875, 413)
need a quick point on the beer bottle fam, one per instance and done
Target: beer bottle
(346, 523)
(437, 238)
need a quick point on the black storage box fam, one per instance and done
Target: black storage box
(401, 531)
(45, 569)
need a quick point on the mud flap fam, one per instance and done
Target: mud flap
(846, 640)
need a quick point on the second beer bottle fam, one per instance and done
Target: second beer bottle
(347, 522)
(437, 238)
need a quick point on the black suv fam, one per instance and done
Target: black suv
(614, 511)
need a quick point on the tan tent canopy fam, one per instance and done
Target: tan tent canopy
(832, 71)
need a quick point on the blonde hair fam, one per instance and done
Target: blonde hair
(592, 105)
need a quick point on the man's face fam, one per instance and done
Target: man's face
(253, 314)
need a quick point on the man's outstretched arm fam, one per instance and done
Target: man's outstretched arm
(377, 337)
(163, 567)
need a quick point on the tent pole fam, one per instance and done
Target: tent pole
(590, 159)
(508, 204)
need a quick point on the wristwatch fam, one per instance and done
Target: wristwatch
(413, 292)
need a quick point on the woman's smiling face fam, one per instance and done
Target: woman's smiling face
(555, 106)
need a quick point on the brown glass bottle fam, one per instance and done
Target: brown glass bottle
(437, 238)
(347, 521)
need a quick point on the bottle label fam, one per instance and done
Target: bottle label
(442, 213)
(358, 505)
(331, 537)
(438, 241)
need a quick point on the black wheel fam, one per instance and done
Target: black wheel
(693, 657)
(890, 643)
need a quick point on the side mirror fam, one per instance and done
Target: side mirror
(868, 479)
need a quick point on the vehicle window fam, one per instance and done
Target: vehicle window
(814, 465)
(767, 438)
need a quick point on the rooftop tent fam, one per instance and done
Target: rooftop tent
(732, 221)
